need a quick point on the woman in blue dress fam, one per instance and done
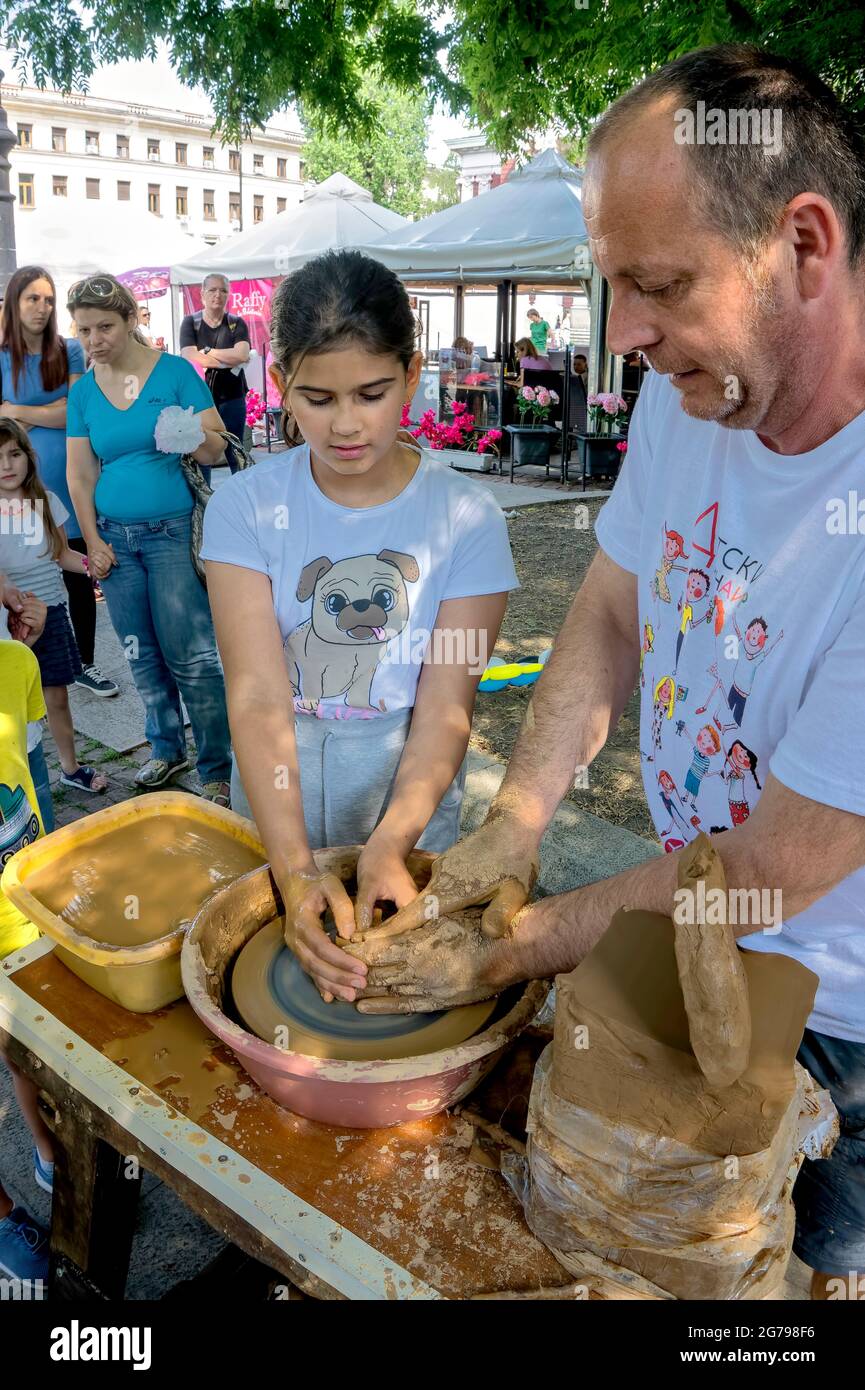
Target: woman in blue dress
(37, 368)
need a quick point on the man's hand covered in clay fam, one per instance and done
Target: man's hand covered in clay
(438, 966)
(497, 865)
(432, 954)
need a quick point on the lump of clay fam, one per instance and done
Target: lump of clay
(711, 974)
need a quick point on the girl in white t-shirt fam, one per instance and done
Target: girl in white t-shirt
(357, 590)
(33, 554)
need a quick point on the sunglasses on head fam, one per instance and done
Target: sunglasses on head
(98, 285)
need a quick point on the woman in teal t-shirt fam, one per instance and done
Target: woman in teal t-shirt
(37, 369)
(134, 508)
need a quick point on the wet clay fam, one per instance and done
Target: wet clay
(712, 976)
(176, 1062)
(268, 1011)
(141, 881)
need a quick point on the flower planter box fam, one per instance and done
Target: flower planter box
(463, 458)
(531, 444)
(599, 455)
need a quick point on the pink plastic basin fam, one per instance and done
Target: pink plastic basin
(363, 1095)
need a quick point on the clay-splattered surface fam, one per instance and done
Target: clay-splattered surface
(412, 1192)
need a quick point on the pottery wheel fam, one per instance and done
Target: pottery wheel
(272, 991)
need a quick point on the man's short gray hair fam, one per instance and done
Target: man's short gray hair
(216, 275)
(744, 188)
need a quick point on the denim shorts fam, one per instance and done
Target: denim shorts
(829, 1194)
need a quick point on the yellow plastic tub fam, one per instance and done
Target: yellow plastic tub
(145, 976)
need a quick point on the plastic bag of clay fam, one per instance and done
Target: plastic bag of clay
(653, 1214)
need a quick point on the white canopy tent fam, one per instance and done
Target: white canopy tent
(530, 231)
(112, 237)
(337, 213)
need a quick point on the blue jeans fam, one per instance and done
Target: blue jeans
(159, 610)
(42, 787)
(233, 416)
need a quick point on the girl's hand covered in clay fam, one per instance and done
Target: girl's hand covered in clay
(496, 865)
(305, 897)
(178, 431)
(382, 876)
(438, 966)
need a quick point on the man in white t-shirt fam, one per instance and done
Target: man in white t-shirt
(737, 270)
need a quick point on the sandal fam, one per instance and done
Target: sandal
(217, 792)
(83, 778)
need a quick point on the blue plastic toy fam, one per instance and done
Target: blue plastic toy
(500, 673)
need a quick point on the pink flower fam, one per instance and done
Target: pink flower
(528, 393)
(554, 398)
(542, 396)
(622, 445)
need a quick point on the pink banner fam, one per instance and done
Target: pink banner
(250, 301)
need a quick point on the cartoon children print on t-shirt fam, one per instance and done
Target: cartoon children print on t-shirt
(358, 605)
(740, 763)
(752, 652)
(695, 634)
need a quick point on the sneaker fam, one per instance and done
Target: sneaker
(157, 771)
(92, 679)
(217, 792)
(43, 1171)
(23, 1247)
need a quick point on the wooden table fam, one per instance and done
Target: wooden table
(399, 1213)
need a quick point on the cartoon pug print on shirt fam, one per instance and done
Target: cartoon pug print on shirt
(358, 605)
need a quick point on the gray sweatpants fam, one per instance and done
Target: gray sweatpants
(347, 772)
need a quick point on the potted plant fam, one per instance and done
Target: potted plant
(532, 438)
(255, 408)
(600, 449)
(455, 438)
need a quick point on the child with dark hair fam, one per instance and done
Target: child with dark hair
(740, 761)
(357, 589)
(34, 552)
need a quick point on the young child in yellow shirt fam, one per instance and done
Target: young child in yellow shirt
(23, 1243)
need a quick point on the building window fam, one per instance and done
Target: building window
(92, 188)
(25, 191)
(123, 147)
(234, 161)
(153, 198)
(25, 137)
(234, 207)
(58, 139)
(207, 156)
(258, 163)
(282, 168)
(475, 188)
(301, 169)
(124, 191)
(181, 202)
(281, 204)
(91, 141)
(153, 149)
(59, 186)
(180, 153)
(258, 208)
(209, 205)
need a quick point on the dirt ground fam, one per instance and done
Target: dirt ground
(552, 554)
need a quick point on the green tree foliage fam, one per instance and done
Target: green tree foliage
(251, 57)
(389, 160)
(443, 185)
(529, 64)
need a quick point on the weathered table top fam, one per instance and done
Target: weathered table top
(388, 1213)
